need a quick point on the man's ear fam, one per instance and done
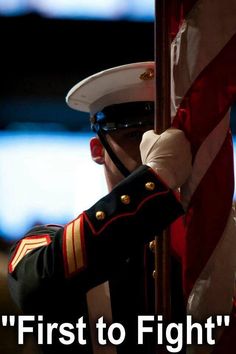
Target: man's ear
(97, 151)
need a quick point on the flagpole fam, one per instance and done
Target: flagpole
(161, 123)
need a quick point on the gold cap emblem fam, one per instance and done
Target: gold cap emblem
(147, 75)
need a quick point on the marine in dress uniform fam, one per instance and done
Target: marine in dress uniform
(52, 268)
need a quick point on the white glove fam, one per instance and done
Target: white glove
(169, 154)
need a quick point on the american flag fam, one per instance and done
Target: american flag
(203, 88)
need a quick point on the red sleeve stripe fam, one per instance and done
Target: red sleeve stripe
(25, 246)
(74, 258)
(122, 215)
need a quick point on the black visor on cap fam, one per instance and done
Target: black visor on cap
(124, 115)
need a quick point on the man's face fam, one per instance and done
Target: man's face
(125, 144)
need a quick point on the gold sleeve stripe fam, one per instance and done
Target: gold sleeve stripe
(25, 246)
(78, 244)
(74, 258)
(70, 254)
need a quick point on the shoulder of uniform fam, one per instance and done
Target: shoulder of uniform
(41, 229)
(37, 237)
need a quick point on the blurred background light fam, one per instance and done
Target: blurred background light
(45, 178)
(82, 9)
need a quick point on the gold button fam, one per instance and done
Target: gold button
(152, 245)
(125, 199)
(154, 274)
(150, 186)
(100, 215)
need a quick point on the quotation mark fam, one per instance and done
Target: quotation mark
(5, 321)
(219, 320)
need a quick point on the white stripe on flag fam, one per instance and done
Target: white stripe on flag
(204, 157)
